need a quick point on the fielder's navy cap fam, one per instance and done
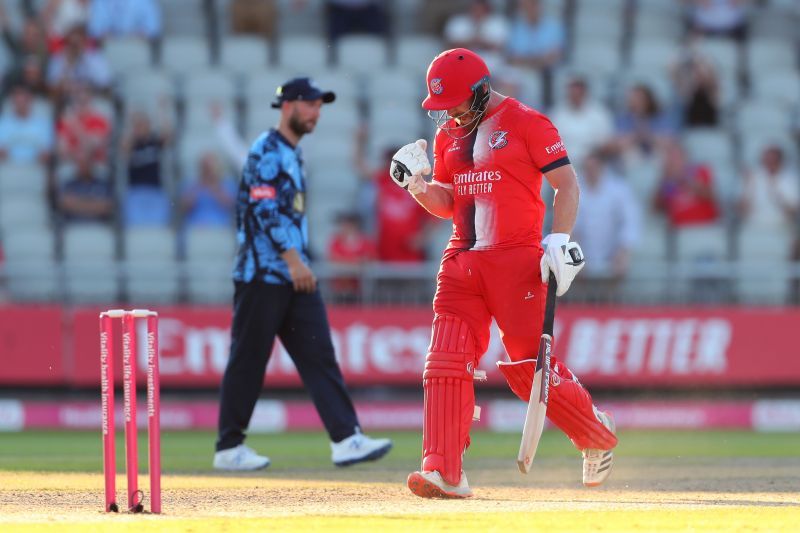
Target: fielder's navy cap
(301, 89)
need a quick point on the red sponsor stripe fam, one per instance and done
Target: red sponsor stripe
(262, 192)
(632, 348)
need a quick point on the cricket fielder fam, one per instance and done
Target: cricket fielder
(490, 154)
(277, 295)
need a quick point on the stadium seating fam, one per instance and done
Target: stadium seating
(151, 260)
(243, 55)
(90, 265)
(209, 262)
(379, 84)
(128, 54)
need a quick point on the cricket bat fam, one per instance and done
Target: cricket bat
(537, 405)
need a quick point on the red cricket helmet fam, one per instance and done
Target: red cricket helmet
(453, 77)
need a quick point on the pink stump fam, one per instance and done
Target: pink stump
(107, 408)
(153, 413)
(129, 399)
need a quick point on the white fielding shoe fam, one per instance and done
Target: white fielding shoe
(431, 485)
(597, 463)
(240, 459)
(358, 448)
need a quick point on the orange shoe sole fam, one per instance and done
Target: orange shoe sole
(425, 489)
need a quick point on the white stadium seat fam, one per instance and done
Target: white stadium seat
(763, 274)
(147, 88)
(244, 54)
(309, 53)
(653, 55)
(184, 54)
(361, 53)
(782, 86)
(128, 54)
(90, 266)
(209, 85)
(764, 56)
(760, 117)
(17, 178)
(150, 261)
(414, 53)
(209, 261)
(701, 244)
(23, 210)
(709, 145)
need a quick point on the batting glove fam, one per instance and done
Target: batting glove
(408, 166)
(563, 258)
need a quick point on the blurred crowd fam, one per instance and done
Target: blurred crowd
(681, 118)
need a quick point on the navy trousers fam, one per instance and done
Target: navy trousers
(260, 312)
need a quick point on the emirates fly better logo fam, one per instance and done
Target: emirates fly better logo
(436, 86)
(498, 140)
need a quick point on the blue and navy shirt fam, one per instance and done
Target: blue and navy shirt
(270, 210)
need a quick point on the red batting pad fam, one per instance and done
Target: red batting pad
(570, 406)
(449, 397)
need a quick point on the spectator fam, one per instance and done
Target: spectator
(61, 16)
(432, 17)
(698, 90)
(403, 227)
(82, 127)
(146, 202)
(537, 40)
(77, 64)
(25, 136)
(350, 248)
(355, 16)
(231, 142)
(719, 18)
(143, 148)
(479, 29)
(770, 197)
(607, 224)
(643, 125)
(32, 76)
(125, 18)
(210, 199)
(685, 193)
(26, 50)
(253, 16)
(86, 198)
(584, 123)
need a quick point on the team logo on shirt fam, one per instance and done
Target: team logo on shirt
(436, 86)
(498, 139)
(262, 192)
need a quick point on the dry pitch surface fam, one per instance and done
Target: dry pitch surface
(698, 493)
(663, 495)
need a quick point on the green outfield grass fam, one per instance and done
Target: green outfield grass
(191, 451)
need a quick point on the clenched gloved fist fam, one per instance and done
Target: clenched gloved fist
(563, 258)
(408, 166)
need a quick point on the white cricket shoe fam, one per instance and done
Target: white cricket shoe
(431, 485)
(597, 463)
(240, 459)
(358, 448)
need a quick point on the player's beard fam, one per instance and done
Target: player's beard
(301, 127)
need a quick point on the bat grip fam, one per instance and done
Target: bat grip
(550, 306)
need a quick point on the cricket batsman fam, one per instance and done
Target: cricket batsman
(490, 154)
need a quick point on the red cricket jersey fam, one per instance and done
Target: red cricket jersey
(496, 177)
(400, 221)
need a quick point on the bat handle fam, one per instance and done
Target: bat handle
(550, 306)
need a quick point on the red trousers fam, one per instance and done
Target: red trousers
(504, 284)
